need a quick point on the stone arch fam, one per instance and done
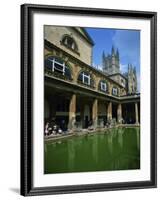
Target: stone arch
(68, 67)
(93, 81)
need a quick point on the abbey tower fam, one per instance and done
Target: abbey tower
(111, 62)
(111, 67)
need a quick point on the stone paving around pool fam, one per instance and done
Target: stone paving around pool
(55, 137)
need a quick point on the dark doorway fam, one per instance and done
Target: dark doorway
(86, 121)
(128, 113)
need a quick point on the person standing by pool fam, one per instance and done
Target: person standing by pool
(47, 129)
(51, 125)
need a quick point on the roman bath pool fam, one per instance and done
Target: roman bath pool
(114, 149)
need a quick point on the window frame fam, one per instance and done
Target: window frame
(86, 76)
(58, 63)
(102, 84)
(64, 42)
(115, 89)
(63, 69)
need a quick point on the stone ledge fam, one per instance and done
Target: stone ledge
(86, 132)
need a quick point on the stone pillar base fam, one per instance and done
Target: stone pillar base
(95, 123)
(71, 124)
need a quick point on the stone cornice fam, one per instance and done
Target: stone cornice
(76, 88)
(117, 74)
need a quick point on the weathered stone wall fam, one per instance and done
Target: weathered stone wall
(122, 81)
(54, 35)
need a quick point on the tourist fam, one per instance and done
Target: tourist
(55, 128)
(52, 125)
(60, 131)
(47, 129)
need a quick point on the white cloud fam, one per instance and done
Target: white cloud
(99, 67)
(128, 43)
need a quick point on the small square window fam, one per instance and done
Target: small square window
(86, 79)
(114, 91)
(103, 86)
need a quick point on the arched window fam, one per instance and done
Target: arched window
(86, 79)
(69, 42)
(115, 91)
(103, 86)
(58, 67)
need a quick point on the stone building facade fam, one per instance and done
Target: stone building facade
(76, 94)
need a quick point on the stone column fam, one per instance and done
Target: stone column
(136, 114)
(72, 112)
(109, 111)
(119, 113)
(95, 113)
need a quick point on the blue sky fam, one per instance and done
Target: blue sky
(127, 42)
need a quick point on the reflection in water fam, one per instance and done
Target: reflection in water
(138, 138)
(45, 148)
(120, 137)
(71, 154)
(110, 139)
(118, 149)
(95, 149)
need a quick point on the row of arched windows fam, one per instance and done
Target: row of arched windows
(57, 66)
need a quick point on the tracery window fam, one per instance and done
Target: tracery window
(70, 43)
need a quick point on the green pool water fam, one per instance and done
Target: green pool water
(116, 149)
